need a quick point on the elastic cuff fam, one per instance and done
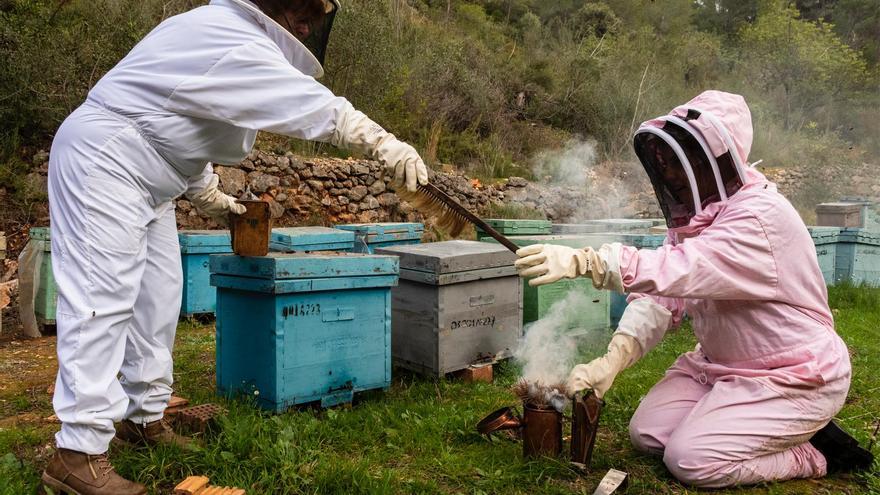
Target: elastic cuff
(144, 419)
(85, 439)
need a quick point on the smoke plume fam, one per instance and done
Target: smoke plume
(555, 343)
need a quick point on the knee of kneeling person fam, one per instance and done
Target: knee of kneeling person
(642, 438)
(695, 467)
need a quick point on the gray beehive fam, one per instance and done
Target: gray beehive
(458, 303)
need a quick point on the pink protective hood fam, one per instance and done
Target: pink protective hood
(725, 123)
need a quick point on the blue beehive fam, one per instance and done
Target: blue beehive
(858, 257)
(299, 328)
(825, 239)
(372, 236)
(310, 239)
(641, 241)
(196, 246)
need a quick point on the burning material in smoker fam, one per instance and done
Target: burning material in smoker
(540, 395)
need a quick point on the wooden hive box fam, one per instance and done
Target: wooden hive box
(196, 247)
(294, 328)
(372, 236)
(458, 303)
(310, 239)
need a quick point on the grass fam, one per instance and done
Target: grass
(418, 437)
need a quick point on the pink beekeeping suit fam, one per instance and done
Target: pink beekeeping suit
(769, 370)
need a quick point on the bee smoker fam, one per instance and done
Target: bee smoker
(541, 428)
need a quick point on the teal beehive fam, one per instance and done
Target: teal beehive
(310, 239)
(825, 239)
(371, 236)
(295, 328)
(858, 257)
(196, 247)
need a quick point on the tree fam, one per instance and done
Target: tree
(805, 61)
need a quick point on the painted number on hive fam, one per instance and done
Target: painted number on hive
(296, 310)
(488, 321)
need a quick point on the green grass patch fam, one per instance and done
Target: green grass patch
(419, 437)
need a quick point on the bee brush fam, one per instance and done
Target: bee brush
(452, 216)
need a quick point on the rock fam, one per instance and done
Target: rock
(281, 197)
(184, 206)
(273, 170)
(388, 200)
(357, 193)
(352, 208)
(342, 200)
(298, 203)
(517, 182)
(370, 203)
(37, 183)
(360, 169)
(368, 216)
(276, 209)
(335, 191)
(296, 164)
(269, 160)
(344, 169)
(321, 172)
(233, 181)
(41, 157)
(305, 173)
(261, 182)
(326, 201)
(248, 165)
(377, 188)
(316, 185)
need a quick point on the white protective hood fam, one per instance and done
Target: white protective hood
(294, 50)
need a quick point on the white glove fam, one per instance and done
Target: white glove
(599, 374)
(355, 131)
(605, 267)
(213, 202)
(550, 263)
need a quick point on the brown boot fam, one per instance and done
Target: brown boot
(76, 473)
(155, 433)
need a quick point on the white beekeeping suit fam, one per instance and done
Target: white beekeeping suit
(195, 90)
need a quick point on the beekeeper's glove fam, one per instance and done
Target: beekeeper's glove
(355, 131)
(213, 202)
(550, 263)
(641, 327)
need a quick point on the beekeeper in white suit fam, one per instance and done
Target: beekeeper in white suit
(195, 90)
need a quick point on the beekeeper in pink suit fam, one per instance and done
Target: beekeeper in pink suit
(754, 401)
(197, 89)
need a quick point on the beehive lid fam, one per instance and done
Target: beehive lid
(385, 232)
(195, 241)
(839, 207)
(577, 228)
(618, 224)
(512, 226)
(287, 266)
(573, 240)
(451, 256)
(859, 236)
(40, 233)
(824, 235)
(642, 241)
(311, 238)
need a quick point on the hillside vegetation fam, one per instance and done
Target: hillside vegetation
(487, 84)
